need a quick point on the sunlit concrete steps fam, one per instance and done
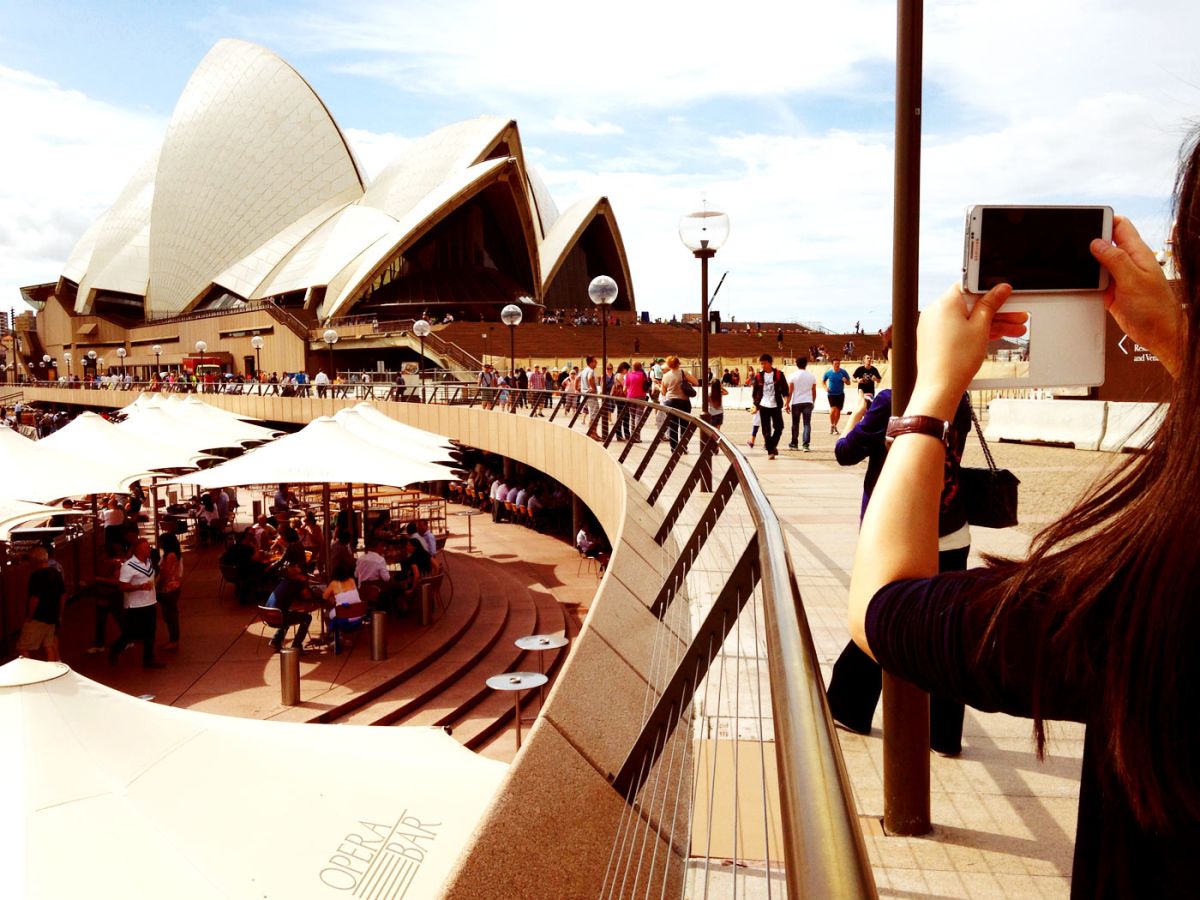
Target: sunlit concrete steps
(483, 722)
(410, 651)
(472, 710)
(443, 665)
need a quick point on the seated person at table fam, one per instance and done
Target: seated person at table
(371, 566)
(419, 529)
(292, 590)
(342, 591)
(249, 563)
(208, 520)
(264, 533)
(311, 535)
(586, 543)
(339, 550)
(293, 550)
(283, 500)
(347, 520)
(426, 563)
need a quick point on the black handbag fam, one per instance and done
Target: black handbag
(688, 390)
(989, 495)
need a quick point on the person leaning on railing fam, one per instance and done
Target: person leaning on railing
(1096, 625)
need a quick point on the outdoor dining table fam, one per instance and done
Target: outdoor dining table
(517, 682)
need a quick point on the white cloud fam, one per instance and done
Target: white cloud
(589, 60)
(1025, 101)
(65, 157)
(570, 125)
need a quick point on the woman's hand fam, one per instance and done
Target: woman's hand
(1138, 295)
(951, 344)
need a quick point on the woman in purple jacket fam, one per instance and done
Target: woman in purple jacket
(857, 679)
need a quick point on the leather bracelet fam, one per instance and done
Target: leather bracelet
(930, 425)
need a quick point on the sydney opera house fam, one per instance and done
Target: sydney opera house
(254, 218)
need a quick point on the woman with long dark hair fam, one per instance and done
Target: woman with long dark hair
(1095, 626)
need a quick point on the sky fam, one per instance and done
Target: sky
(780, 114)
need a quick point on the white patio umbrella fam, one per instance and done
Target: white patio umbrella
(371, 430)
(221, 806)
(402, 431)
(320, 453)
(101, 440)
(184, 425)
(15, 513)
(193, 404)
(45, 470)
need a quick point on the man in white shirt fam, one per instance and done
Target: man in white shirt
(427, 537)
(137, 581)
(371, 566)
(321, 380)
(498, 493)
(803, 385)
(587, 385)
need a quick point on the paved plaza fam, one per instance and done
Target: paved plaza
(1004, 823)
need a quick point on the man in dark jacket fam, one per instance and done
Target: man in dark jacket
(770, 395)
(47, 593)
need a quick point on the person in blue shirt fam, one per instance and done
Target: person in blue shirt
(836, 380)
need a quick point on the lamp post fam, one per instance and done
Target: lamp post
(121, 354)
(67, 363)
(257, 343)
(91, 358)
(45, 361)
(703, 233)
(330, 337)
(603, 292)
(485, 353)
(201, 346)
(511, 316)
(421, 329)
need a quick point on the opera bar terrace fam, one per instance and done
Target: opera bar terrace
(574, 630)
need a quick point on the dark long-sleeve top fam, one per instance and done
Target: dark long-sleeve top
(866, 440)
(929, 631)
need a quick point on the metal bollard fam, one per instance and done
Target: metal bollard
(378, 636)
(426, 604)
(289, 676)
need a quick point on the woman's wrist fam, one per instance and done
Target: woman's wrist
(938, 402)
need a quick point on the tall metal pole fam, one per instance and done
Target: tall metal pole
(512, 368)
(421, 370)
(905, 707)
(704, 255)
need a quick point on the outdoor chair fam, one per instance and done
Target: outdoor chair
(369, 592)
(229, 575)
(585, 560)
(346, 617)
(270, 617)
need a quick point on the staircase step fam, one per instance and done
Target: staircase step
(451, 662)
(503, 656)
(366, 681)
(486, 723)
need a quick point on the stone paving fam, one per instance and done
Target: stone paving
(1004, 823)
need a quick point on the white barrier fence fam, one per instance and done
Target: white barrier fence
(1087, 424)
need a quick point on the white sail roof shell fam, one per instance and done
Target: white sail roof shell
(256, 191)
(249, 151)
